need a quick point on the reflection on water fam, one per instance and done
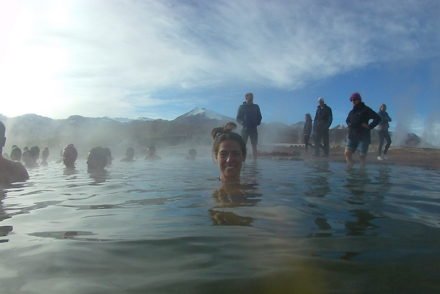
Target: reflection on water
(170, 227)
(230, 196)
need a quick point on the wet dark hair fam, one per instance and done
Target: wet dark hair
(98, 158)
(224, 136)
(308, 116)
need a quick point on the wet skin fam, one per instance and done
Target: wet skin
(230, 159)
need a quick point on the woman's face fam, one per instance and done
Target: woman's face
(229, 159)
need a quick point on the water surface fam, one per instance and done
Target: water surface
(156, 227)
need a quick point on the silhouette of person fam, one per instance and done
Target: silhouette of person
(307, 131)
(16, 153)
(97, 159)
(70, 154)
(151, 153)
(129, 154)
(321, 124)
(44, 156)
(34, 155)
(249, 116)
(10, 171)
(359, 126)
(384, 135)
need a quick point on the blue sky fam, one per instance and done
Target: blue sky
(159, 59)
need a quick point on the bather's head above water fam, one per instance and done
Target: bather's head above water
(69, 156)
(97, 159)
(229, 151)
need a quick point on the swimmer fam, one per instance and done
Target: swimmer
(97, 159)
(229, 151)
(70, 154)
(10, 171)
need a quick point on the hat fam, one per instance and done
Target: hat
(355, 96)
(320, 99)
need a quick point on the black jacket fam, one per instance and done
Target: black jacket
(361, 114)
(323, 118)
(249, 115)
(384, 122)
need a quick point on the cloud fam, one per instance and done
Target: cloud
(105, 57)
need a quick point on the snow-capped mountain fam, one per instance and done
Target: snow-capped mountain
(200, 113)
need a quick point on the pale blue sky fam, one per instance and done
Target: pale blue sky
(160, 59)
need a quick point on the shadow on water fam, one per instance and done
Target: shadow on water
(230, 197)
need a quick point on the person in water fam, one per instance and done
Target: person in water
(307, 131)
(16, 153)
(44, 156)
(129, 155)
(34, 155)
(228, 127)
(97, 159)
(151, 154)
(229, 151)
(10, 171)
(383, 132)
(70, 154)
(321, 124)
(249, 116)
(359, 126)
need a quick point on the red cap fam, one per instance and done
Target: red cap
(355, 96)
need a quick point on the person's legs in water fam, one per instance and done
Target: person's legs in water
(349, 150)
(363, 150)
(326, 139)
(253, 134)
(306, 142)
(387, 146)
(318, 138)
(379, 149)
(245, 135)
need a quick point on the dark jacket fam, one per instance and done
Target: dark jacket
(307, 127)
(361, 114)
(249, 115)
(384, 122)
(323, 118)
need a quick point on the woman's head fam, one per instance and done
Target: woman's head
(308, 116)
(97, 159)
(229, 151)
(383, 107)
(69, 155)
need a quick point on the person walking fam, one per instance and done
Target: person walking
(359, 129)
(249, 117)
(307, 130)
(321, 124)
(383, 132)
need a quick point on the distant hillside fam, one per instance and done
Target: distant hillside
(191, 128)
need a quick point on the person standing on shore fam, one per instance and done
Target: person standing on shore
(307, 130)
(359, 129)
(249, 116)
(383, 132)
(321, 124)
